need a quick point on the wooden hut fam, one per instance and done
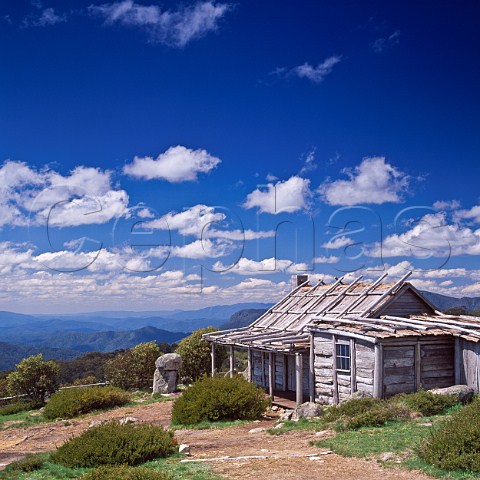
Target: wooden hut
(326, 342)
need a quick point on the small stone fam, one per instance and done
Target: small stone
(287, 415)
(279, 425)
(387, 457)
(322, 433)
(256, 430)
(126, 420)
(316, 459)
(274, 408)
(307, 410)
(95, 423)
(184, 448)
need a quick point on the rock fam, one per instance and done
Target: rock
(279, 425)
(387, 457)
(360, 394)
(126, 420)
(165, 379)
(286, 416)
(464, 393)
(323, 433)
(307, 410)
(256, 430)
(169, 361)
(95, 423)
(184, 448)
(275, 408)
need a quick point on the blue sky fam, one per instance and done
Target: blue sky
(177, 155)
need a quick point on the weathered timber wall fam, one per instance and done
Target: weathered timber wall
(408, 303)
(470, 364)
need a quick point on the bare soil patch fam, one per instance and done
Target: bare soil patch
(289, 451)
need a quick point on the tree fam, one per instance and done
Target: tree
(134, 368)
(34, 377)
(196, 355)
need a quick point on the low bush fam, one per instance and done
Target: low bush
(76, 401)
(126, 473)
(220, 398)
(27, 464)
(17, 408)
(455, 445)
(364, 412)
(426, 403)
(115, 444)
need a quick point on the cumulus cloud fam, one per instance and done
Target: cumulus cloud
(287, 196)
(177, 164)
(470, 214)
(323, 259)
(373, 181)
(431, 236)
(205, 222)
(174, 28)
(338, 242)
(446, 205)
(268, 266)
(31, 196)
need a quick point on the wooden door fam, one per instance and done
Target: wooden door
(437, 365)
(398, 370)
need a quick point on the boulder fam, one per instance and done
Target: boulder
(287, 415)
(165, 379)
(126, 420)
(360, 394)
(307, 410)
(169, 361)
(464, 393)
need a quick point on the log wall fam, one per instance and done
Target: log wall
(331, 385)
(470, 364)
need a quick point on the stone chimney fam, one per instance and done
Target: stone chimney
(301, 279)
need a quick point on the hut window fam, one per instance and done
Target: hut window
(343, 357)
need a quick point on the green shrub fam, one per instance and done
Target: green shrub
(196, 355)
(27, 464)
(126, 473)
(134, 368)
(76, 401)
(455, 445)
(115, 444)
(34, 377)
(220, 398)
(17, 407)
(364, 412)
(426, 403)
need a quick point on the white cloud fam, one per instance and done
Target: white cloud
(382, 45)
(431, 236)
(174, 28)
(338, 242)
(177, 164)
(288, 196)
(203, 249)
(322, 259)
(46, 18)
(318, 73)
(85, 196)
(373, 181)
(268, 266)
(446, 205)
(471, 214)
(202, 221)
(309, 163)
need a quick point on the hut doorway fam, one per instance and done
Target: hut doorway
(398, 370)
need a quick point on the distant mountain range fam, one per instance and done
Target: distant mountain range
(63, 337)
(67, 336)
(443, 302)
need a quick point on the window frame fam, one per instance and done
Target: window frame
(343, 354)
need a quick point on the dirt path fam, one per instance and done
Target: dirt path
(290, 450)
